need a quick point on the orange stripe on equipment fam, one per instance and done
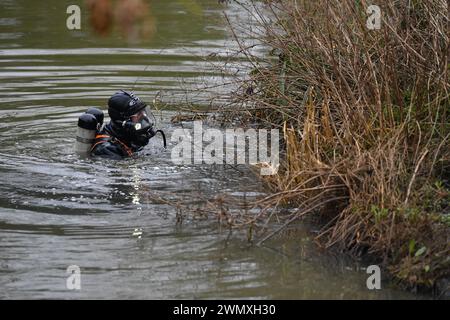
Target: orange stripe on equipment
(105, 137)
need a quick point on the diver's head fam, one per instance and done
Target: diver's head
(129, 119)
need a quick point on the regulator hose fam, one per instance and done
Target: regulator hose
(163, 136)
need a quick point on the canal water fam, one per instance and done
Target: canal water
(118, 221)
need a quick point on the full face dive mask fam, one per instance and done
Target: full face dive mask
(130, 119)
(139, 129)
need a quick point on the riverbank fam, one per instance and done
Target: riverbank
(364, 116)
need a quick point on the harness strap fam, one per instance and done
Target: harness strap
(105, 138)
(124, 146)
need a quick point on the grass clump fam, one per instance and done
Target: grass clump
(364, 116)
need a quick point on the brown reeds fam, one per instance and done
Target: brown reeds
(364, 114)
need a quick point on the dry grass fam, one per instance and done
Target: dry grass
(364, 115)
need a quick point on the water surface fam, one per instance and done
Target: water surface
(57, 209)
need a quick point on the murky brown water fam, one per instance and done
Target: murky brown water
(58, 210)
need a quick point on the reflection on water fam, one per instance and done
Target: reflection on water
(42, 60)
(105, 216)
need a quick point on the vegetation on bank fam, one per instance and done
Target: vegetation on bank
(364, 115)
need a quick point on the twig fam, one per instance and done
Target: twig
(297, 215)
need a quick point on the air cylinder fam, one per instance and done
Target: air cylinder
(86, 131)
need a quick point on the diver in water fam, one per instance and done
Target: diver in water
(129, 130)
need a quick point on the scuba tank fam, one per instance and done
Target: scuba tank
(98, 114)
(89, 123)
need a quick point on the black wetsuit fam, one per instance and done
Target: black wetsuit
(108, 145)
